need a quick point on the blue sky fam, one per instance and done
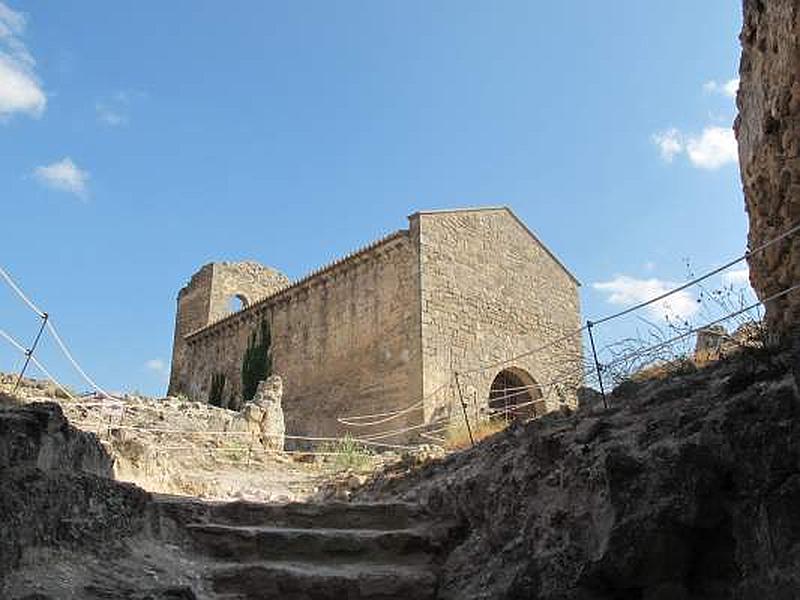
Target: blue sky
(140, 140)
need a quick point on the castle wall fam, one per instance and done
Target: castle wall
(490, 291)
(345, 341)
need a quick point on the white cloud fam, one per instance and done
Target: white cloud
(113, 110)
(109, 115)
(669, 143)
(20, 89)
(159, 367)
(713, 148)
(627, 291)
(726, 88)
(64, 175)
(10, 19)
(155, 364)
(736, 277)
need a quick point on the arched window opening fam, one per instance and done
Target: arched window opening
(237, 302)
(514, 395)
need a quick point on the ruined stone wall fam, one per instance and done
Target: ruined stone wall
(388, 326)
(345, 341)
(192, 313)
(248, 280)
(206, 299)
(768, 131)
(491, 291)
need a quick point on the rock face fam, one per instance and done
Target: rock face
(264, 414)
(38, 435)
(768, 131)
(56, 489)
(686, 488)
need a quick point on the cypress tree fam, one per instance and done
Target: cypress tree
(257, 361)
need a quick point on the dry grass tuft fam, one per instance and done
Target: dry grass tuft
(458, 436)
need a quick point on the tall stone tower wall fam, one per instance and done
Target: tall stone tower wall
(207, 298)
(768, 131)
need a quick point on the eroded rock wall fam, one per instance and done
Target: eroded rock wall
(768, 131)
(38, 435)
(686, 489)
(56, 489)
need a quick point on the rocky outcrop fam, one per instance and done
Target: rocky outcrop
(38, 435)
(207, 451)
(768, 131)
(686, 488)
(56, 489)
(264, 414)
(61, 510)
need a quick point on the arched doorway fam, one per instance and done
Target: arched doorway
(514, 394)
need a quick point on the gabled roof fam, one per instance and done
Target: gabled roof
(519, 221)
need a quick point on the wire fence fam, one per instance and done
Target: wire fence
(579, 363)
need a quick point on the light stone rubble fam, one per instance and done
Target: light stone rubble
(264, 414)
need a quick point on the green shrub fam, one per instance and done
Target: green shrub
(217, 389)
(348, 454)
(257, 361)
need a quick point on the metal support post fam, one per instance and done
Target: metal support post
(464, 410)
(589, 325)
(29, 353)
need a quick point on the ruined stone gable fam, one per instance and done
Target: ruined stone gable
(206, 299)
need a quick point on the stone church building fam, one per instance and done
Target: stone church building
(386, 327)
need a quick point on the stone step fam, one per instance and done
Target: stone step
(311, 581)
(228, 542)
(335, 515)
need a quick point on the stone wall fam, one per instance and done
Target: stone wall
(768, 131)
(490, 291)
(345, 340)
(207, 298)
(389, 326)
